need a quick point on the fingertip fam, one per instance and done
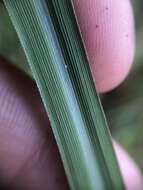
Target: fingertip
(107, 29)
(131, 174)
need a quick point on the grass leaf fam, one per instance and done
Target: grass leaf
(50, 37)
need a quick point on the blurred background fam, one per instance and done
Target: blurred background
(123, 106)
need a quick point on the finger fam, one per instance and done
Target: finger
(132, 176)
(29, 158)
(107, 28)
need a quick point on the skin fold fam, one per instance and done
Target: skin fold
(29, 158)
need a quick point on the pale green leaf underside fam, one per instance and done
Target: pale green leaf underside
(49, 35)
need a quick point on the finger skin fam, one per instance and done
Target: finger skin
(107, 28)
(132, 176)
(29, 157)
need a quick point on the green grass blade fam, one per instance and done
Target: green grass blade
(50, 37)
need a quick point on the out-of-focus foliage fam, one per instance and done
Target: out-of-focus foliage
(123, 106)
(9, 43)
(138, 7)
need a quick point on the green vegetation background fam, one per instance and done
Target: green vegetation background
(123, 106)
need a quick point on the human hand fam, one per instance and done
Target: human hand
(29, 158)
